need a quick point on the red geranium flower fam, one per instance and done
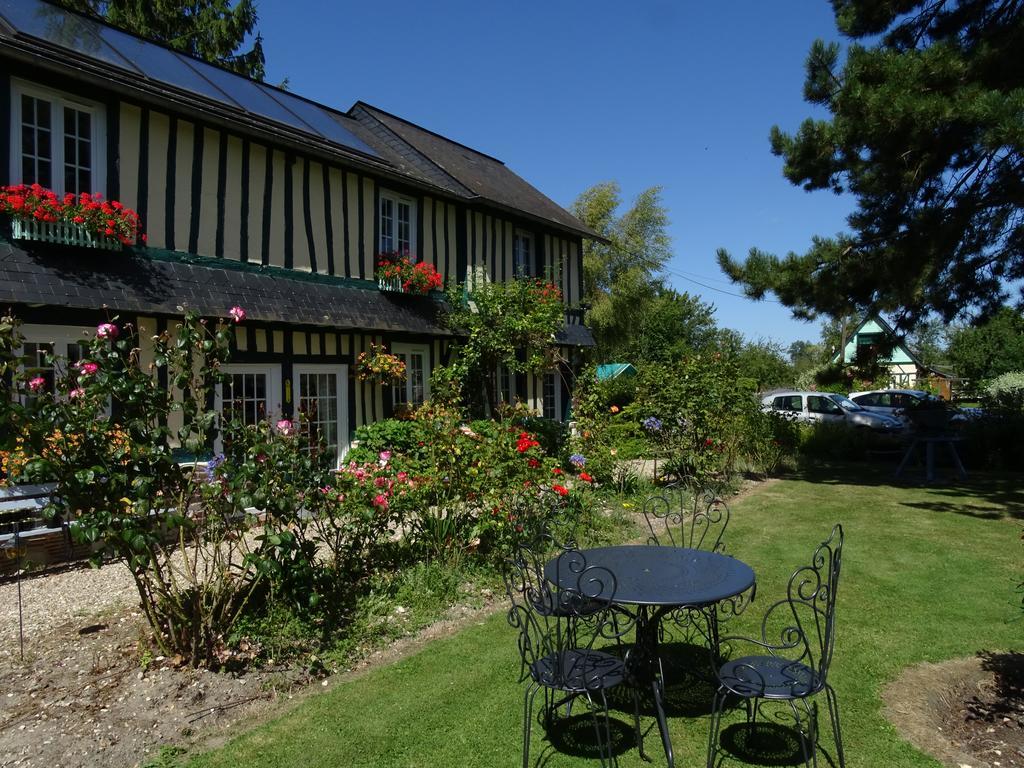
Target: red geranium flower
(586, 478)
(561, 490)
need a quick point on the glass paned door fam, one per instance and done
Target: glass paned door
(245, 397)
(321, 405)
(550, 396)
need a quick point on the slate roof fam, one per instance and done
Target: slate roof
(84, 278)
(483, 176)
(574, 335)
(62, 276)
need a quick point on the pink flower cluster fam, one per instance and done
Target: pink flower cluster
(375, 481)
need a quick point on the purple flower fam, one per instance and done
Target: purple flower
(652, 424)
(211, 466)
(577, 460)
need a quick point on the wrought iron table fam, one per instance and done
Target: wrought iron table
(651, 581)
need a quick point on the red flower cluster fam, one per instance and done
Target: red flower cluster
(91, 211)
(548, 291)
(416, 277)
(525, 442)
(561, 490)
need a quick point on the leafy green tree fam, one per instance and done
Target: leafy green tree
(673, 325)
(763, 362)
(621, 276)
(212, 30)
(989, 350)
(804, 355)
(926, 133)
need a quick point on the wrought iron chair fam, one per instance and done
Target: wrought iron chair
(560, 616)
(695, 517)
(795, 668)
(680, 516)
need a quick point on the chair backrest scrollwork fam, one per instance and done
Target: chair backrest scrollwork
(803, 624)
(687, 517)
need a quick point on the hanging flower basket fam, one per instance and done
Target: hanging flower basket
(400, 274)
(380, 365)
(84, 220)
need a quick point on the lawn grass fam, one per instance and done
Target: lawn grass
(928, 574)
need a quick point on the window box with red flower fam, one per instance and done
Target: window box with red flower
(401, 274)
(84, 220)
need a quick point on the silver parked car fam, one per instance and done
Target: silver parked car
(896, 402)
(820, 407)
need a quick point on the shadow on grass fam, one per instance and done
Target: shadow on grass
(575, 736)
(772, 744)
(984, 495)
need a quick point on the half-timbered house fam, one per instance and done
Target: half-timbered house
(254, 196)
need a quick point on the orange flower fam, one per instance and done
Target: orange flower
(614, 409)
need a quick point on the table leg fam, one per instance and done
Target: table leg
(659, 709)
(906, 457)
(645, 669)
(956, 460)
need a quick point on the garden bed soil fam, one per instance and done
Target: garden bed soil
(966, 713)
(89, 692)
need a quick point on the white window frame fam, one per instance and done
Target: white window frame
(273, 371)
(60, 336)
(404, 351)
(512, 394)
(558, 394)
(341, 371)
(395, 199)
(59, 100)
(522, 234)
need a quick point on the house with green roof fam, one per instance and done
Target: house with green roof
(875, 337)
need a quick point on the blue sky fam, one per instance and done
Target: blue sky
(569, 93)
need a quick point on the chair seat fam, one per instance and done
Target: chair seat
(577, 671)
(769, 677)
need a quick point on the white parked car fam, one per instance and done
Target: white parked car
(820, 407)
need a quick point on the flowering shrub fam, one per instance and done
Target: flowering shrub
(90, 211)
(512, 324)
(379, 365)
(481, 486)
(415, 277)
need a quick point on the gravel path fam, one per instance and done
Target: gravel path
(54, 600)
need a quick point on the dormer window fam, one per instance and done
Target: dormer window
(397, 224)
(59, 140)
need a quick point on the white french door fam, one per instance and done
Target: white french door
(321, 397)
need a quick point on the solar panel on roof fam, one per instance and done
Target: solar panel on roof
(322, 121)
(57, 26)
(158, 63)
(90, 38)
(247, 94)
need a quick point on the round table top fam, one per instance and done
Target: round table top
(653, 575)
